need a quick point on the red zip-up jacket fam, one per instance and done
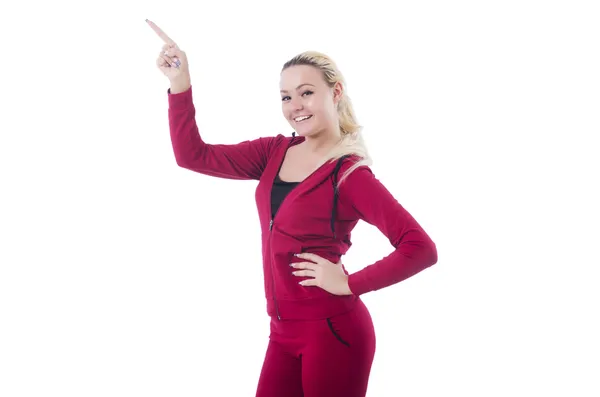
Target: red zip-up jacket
(315, 217)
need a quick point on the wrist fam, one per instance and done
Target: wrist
(178, 87)
(347, 291)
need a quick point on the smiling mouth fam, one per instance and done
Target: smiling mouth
(302, 118)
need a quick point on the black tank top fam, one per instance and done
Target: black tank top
(280, 190)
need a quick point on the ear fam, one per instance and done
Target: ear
(338, 92)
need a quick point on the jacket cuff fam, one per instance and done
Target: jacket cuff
(357, 284)
(181, 100)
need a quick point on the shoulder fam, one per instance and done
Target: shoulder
(353, 169)
(355, 177)
(285, 140)
(362, 193)
(274, 140)
(272, 144)
(358, 180)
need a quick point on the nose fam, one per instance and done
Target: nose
(296, 104)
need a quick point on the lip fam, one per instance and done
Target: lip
(303, 115)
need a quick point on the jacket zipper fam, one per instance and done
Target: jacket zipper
(272, 275)
(271, 243)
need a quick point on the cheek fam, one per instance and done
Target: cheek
(327, 111)
(320, 108)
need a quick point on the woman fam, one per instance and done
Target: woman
(312, 190)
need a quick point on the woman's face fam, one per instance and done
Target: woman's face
(308, 103)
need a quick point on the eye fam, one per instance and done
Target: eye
(304, 93)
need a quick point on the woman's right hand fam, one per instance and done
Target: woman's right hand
(172, 61)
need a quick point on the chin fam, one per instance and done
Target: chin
(301, 132)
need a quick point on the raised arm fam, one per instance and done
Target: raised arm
(245, 160)
(414, 250)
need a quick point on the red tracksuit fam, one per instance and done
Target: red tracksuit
(320, 344)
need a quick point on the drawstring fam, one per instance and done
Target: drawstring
(335, 189)
(336, 192)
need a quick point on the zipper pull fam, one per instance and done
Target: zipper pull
(271, 225)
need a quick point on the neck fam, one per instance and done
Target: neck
(322, 142)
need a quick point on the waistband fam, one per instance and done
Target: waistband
(311, 309)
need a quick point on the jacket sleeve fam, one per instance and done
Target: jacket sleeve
(414, 250)
(244, 160)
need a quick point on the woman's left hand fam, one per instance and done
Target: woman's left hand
(325, 274)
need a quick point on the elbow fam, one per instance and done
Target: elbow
(185, 160)
(181, 162)
(432, 255)
(181, 157)
(427, 252)
(418, 245)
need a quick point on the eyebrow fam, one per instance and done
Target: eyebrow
(301, 85)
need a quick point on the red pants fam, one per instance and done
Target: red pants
(320, 358)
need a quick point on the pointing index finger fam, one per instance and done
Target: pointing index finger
(160, 33)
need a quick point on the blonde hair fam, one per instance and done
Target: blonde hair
(352, 142)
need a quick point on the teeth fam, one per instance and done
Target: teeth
(301, 118)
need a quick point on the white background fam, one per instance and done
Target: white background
(124, 275)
